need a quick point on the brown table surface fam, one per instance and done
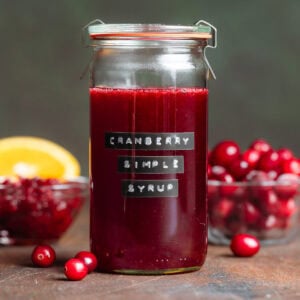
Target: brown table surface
(274, 273)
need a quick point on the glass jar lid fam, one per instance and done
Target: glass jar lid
(98, 30)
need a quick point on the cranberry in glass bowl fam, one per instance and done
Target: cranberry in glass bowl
(39, 210)
(261, 200)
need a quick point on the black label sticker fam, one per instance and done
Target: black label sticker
(151, 164)
(150, 188)
(150, 141)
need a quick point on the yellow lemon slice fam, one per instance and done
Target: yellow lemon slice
(28, 156)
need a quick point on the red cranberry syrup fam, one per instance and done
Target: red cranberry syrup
(148, 171)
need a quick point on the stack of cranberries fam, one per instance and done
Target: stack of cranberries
(252, 191)
(35, 210)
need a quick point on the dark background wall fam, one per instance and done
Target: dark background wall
(256, 93)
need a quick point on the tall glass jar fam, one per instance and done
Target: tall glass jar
(148, 146)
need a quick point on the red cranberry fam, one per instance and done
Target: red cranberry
(273, 174)
(239, 169)
(209, 172)
(251, 213)
(224, 153)
(286, 208)
(218, 172)
(260, 184)
(244, 245)
(268, 202)
(267, 222)
(261, 146)
(287, 185)
(223, 208)
(285, 154)
(269, 161)
(230, 189)
(75, 269)
(284, 223)
(291, 166)
(89, 259)
(212, 190)
(257, 176)
(251, 156)
(43, 256)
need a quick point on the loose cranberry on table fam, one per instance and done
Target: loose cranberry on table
(244, 245)
(89, 259)
(224, 153)
(43, 256)
(75, 269)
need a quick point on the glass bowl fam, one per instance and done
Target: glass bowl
(267, 209)
(39, 210)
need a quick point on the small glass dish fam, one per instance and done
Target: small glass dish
(39, 210)
(267, 209)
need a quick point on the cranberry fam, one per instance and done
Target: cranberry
(269, 161)
(273, 174)
(285, 154)
(291, 166)
(267, 222)
(251, 156)
(286, 208)
(218, 173)
(251, 213)
(209, 171)
(239, 169)
(230, 189)
(212, 190)
(268, 202)
(75, 269)
(89, 260)
(223, 208)
(261, 146)
(224, 153)
(287, 185)
(43, 256)
(244, 245)
(257, 177)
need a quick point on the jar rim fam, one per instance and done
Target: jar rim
(149, 31)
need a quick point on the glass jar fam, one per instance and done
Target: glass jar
(148, 146)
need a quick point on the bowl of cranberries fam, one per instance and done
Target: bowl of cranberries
(38, 210)
(254, 191)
